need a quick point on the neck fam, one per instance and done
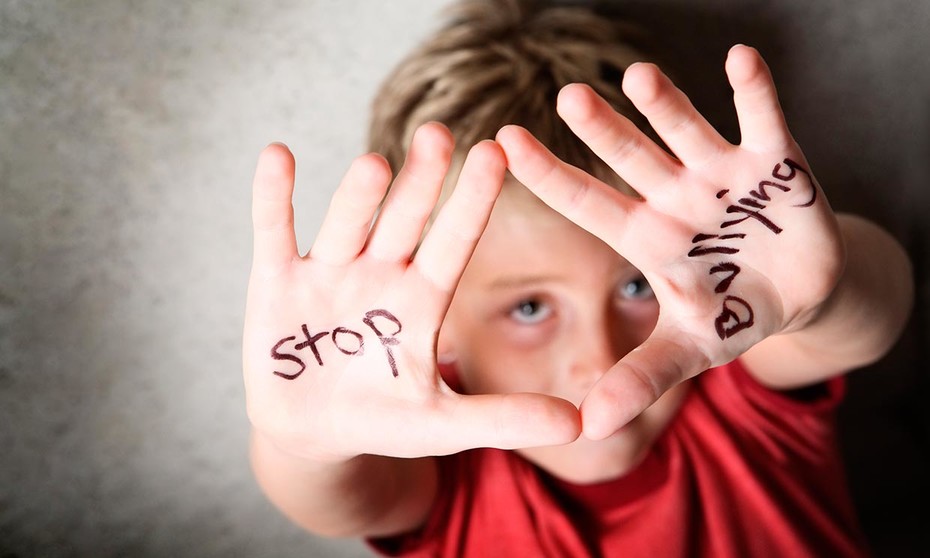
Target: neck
(586, 461)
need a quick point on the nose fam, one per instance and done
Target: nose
(598, 345)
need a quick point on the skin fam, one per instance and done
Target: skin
(546, 307)
(345, 448)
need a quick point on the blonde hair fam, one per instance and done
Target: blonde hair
(501, 62)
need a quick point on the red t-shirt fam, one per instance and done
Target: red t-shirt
(741, 471)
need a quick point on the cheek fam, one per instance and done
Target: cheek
(639, 319)
(505, 363)
(523, 338)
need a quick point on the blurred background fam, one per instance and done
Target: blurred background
(128, 137)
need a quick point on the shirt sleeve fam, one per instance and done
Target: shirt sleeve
(819, 399)
(772, 423)
(426, 540)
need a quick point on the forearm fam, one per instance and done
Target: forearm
(857, 324)
(364, 496)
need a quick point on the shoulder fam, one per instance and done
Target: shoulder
(462, 480)
(734, 394)
(486, 497)
(730, 418)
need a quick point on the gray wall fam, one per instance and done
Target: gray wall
(128, 136)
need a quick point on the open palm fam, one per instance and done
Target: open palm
(737, 242)
(339, 345)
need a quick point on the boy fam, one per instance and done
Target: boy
(665, 374)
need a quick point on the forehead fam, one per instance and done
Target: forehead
(526, 238)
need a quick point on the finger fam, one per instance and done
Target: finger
(351, 211)
(451, 240)
(505, 421)
(761, 120)
(461, 422)
(413, 195)
(274, 240)
(693, 140)
(616, 140)
(637, 381)
(452, 423)
(583, 199)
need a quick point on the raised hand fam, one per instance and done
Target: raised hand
(339, 345)
(737, 242)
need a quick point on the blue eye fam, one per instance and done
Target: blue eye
(531, 311)
(636, 289)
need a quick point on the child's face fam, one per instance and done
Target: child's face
(544, 307)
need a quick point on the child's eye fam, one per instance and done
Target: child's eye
(636, 289)
(531, 311)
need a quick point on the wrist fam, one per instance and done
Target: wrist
(867, 308)
(298, 455)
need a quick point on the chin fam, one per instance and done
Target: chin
(587, 461)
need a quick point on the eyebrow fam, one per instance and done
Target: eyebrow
(521, 281)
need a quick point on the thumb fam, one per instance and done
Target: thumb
(508, 421)
(454, 422)
(665, 359)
